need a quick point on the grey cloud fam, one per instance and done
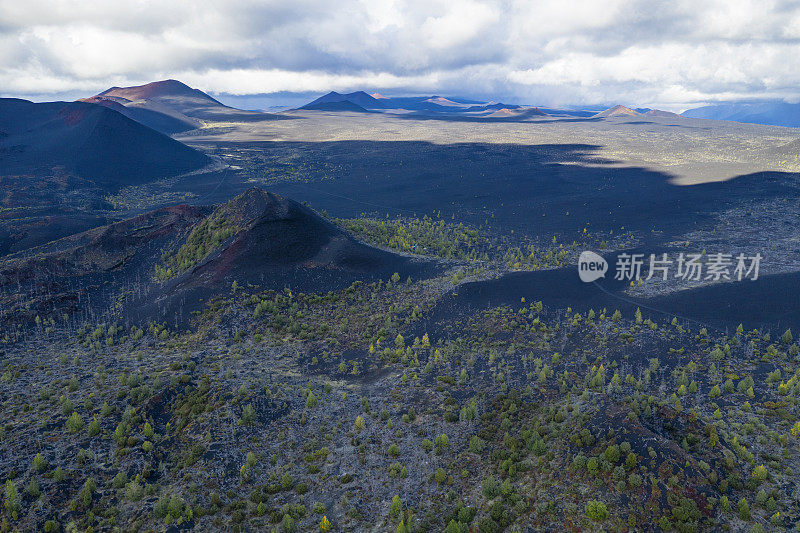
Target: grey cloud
(549, 51)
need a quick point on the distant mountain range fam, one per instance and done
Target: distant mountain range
(362, 102)
(658, 113)
(171, 107)
(622, 111)
(342, 105)
(769, 113)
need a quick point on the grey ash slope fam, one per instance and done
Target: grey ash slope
(177, 101)
(158, 117)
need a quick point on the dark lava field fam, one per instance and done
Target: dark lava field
(333, 319)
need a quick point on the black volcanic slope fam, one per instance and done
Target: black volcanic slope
(80, 273)
(344, 105)
(359, 98)
(263, 239)
(491, 107)
(276, 233)
(91, 141)
(277, 243)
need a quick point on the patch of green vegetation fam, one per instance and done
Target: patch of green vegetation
(499, 419)
(206, 237)
(146, 197)
(423, 236)
(457, 241)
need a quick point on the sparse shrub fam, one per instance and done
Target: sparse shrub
(119, 480)
(596, 510)
(759, 474)
(397, 507)
(359, 424)
(134, 491)
(39, 463)
(311, 400)
(630, 461)
(744, 509)
(74, 423)
(612, 454)
(592, 466)
(324, 524)
(59, 475)
(440, 476)
(476, 444)
(761, 498)
(67, 406)
(87, 493)
(248, 415)
(490, 487)
(12, 503)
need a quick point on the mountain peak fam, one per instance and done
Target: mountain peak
(661, 113)
(336, 105)
(355, 100)
(617, 111)
(155, 90)
(178, 101)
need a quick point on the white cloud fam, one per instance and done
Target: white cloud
(641, 52)
(251, 81)
(462, 21)
(382, 14)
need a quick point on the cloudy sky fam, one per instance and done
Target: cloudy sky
(665, 53)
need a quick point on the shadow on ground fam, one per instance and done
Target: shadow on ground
(540, 191)
(544, 191)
